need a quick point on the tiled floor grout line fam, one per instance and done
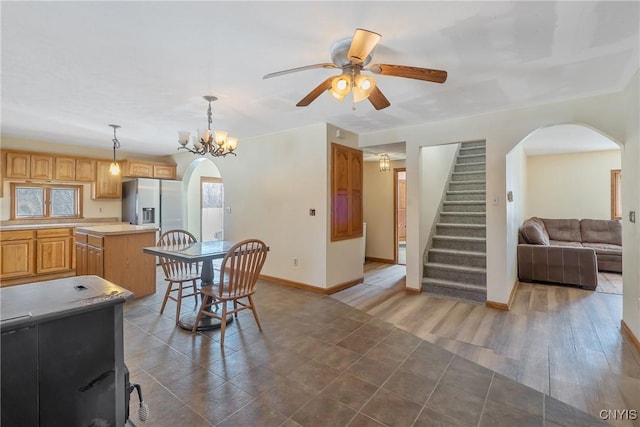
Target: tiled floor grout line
(486, 398)
(424, 405)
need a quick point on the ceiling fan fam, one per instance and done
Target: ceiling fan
(351, 55)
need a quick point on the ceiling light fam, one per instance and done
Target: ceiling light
(341, 86)
(114, 167)
(384, 162)
(363, 87)
(217, 143)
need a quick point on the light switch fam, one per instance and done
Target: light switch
(228, 209)
(312, 212)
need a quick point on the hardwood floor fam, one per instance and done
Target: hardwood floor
(563, 341)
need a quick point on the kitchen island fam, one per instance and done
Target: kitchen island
(114, 252)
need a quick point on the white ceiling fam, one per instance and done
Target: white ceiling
(71, 68)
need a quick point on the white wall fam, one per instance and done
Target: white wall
(379, 210)
(572, 185)
(344, 257)
(516, 183)
(631, 202)
(436, 164)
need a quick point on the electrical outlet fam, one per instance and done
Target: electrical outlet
(295, 262)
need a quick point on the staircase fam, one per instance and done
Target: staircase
(455, 263)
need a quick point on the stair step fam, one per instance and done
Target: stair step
(470, 158)
(450, 256)
(470, 167)
(462, 195)
(464, 206)
(461, 230)
(468, 176)
(473, 244)
(463, 217)
(456, 273)
(477, 184)
(472, 150)
(456, 290)
(470, 144)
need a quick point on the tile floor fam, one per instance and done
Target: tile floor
(318, 362)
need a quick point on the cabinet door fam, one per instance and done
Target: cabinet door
(18, 165)
(139, 169)
(164, 171)
(95, 261)
(16, 258)
(85, 170)
(41, 166)
(53, 255)
(106, 186)
(64, 169)
(81, 259)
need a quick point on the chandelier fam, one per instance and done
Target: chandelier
(217, 143)
(384, 162)
(114, 167)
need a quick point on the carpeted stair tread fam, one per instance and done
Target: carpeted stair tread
(458, 252)
(461, 238)
(453, 284)
(453, 267)
(456, 225)
(465, 202)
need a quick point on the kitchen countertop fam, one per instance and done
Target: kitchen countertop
(115, 229)
(7, 226)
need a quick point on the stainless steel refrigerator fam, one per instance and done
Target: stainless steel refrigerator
(153, 202)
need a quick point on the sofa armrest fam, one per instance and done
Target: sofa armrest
(559, 264)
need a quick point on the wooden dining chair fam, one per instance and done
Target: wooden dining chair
(177, 273)
(239, 273)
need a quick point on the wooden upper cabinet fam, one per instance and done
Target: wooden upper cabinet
(133, 168)
(64, 169)
(18, 165)
(106, 186)
(143, 169)
(164, 171)
(346, 193)
(41, 166)
(85, 170)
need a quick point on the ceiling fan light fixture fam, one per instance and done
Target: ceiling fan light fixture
(363, 87)
(341, 86)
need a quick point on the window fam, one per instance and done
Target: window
(616, 194)
(46, 201)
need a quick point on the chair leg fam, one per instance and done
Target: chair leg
(199, 315)
(255, 313)
(166, 297)
(195, 292)
(235, 308)
(178, 302)
(223, 322)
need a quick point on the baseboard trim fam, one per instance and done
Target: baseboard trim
(501, 305)
(380, 260)
(413, 291)
(634, 340)
(310, 288)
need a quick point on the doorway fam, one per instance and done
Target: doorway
(211, 209)
(400, 214)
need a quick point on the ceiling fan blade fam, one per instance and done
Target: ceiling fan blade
(295, 70)
(378, 100)
(362, 44)
(427, 74)
(311, 96)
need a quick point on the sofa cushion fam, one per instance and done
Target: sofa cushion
(604, 248)
(601, 231)
(533, 232)
(567, 230)
(565, 244)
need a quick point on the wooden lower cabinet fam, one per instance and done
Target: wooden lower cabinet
(16, 255)
(34, 255)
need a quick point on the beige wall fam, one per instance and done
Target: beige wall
(378, 210)
(574, 185)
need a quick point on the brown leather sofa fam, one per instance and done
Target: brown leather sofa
(569, 251)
